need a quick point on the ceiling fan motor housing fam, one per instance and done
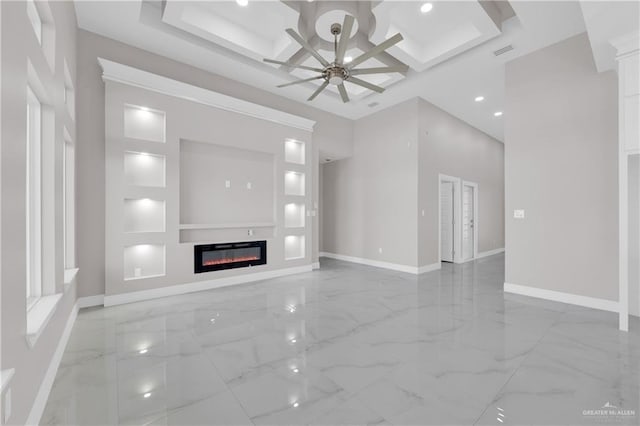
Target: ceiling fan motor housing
(336, 74)
(336, 29)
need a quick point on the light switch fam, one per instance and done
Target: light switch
(518, 214)
(249, 185)
(227, 184)
(380, 250)
(422, 212)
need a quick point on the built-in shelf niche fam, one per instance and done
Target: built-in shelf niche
(294, 247)
(294, 183)
(294, 215)
(144, 123)
(144, 169)
(294, 151)
(144, 215)
(144, 261)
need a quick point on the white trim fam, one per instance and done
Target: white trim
(381, 264)
(39, 315)
(489, 253)
(136, 296)
(70, 274)
(47, 382)
(457, 196)
(315, 265)
(429, 268)
(556, 296)
(91, 301)
(119, 73)
(476, 197)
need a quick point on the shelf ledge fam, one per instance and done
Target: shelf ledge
(39, 315)
(226, 225)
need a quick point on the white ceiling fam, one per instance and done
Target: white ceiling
(449, 50)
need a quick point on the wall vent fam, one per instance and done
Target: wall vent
(503, 50)
(373, 104)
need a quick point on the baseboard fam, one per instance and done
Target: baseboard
(429, 268)
(381, 264)
(91, 301)
(556, 296)
(489, 253)
(37, 409)
(137, 296)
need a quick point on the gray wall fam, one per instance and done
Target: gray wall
(332, 135)
(18, 44)
(369, 200)
(452, 147)
(561, 168)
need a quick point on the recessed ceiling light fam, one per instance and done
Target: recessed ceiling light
(242, 3)
(497, 113)
(426, 8)
(143, 351)
(347, 59)
(147, 395)
(295, 405)
(479, 98)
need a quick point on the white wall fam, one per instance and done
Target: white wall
(332, 134)
(370, 199)
(375, 198)
(561, 168)
(19, 44)
(452, 147)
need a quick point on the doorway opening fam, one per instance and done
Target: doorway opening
(457, 219)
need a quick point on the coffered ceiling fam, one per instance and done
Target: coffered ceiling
(449, 49)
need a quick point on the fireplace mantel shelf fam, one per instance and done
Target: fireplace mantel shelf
(226, 225)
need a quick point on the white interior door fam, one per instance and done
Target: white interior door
(446, 221)
(468, 224)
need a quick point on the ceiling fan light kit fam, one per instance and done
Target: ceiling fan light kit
(339, 71)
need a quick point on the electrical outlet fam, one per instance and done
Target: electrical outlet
(250, 232)
(227, 184)
(422, 212)
(249, 186)
(380, 250)
(518, 214)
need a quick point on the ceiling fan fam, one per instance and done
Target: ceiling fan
(337, 72)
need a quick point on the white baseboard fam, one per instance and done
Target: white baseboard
(381, 264)
(47, 382)
(429, 268)
(489, 253)
(91, 301)
(137, 296)
(556, 296)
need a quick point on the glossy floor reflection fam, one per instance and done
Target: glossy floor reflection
(350, 344)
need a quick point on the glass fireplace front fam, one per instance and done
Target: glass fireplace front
(215, 257)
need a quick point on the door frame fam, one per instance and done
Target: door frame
(457, 197)
(476, 198)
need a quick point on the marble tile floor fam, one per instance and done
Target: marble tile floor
(350, 344)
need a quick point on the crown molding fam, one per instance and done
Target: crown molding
(119, 73)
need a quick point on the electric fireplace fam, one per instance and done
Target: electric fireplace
(215, 257)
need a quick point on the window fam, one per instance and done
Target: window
(34, 17)
(34, 199)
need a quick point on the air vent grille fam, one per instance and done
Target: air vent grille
(373, 104)
(503, 50)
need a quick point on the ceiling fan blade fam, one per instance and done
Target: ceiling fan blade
(297, 37)
(300, 81)
(396, 68)
(376, 50)
(344, 38)
(343, 93)
(273, 61)
(366, 84)
(320, 89)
